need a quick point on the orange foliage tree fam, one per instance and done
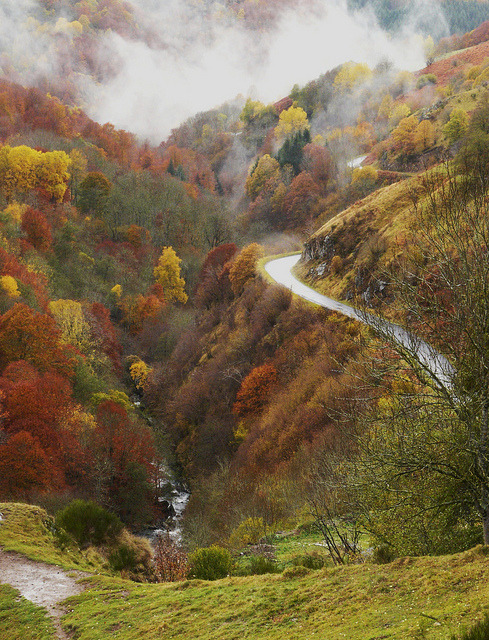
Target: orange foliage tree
(255, 390)
(244, 267)
(35, 338)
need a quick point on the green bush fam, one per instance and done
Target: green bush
(309, 560)
(427, 78)
(257, 566)
(88, 523)
(478, 632)
(260, 565)
(122, 557)
(383, 554)
(210, 563)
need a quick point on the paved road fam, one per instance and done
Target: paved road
(438, 367)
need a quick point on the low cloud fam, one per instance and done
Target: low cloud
(199, 63)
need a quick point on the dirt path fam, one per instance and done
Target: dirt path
(43, 584)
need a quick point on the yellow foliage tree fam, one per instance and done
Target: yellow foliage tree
(9, 285)
(15, 211)
(364, 174)
(52, 173)
(398, 112)
(244, 267)
(167, 273)
(116, 292)
(69, 318)
(385, 107)
(119, 397)
(291, 121)
(139, 372)
(350, 75)
(404, 135)
(23, 169)
(266, 169)
(424, 136)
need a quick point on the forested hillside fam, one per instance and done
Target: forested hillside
(139, 331)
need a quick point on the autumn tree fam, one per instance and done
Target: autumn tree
(24, 466)
(456, 126)
(37, 230)
(318, 162)
(300, 202)
(38, 405)
(123, 455)
(9, 286)
(167, 274)
(404, 136)
(23, 169)
(267, 168)
(214, 283)
(244, 266)
(34, 337)
(351, 75)
(255, 390)
(424, 136)
(291, 122)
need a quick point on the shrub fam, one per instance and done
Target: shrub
(122, 557)
(133, 556)
(427, 78)
(210, 563)
(89, 523)
(295, 572)
(260, 565)
(383, 554)
(170, 561)
(248, 532)
(478, 632)
(309, 560)
(336, 264)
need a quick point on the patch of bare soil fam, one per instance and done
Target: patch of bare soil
(44, 584)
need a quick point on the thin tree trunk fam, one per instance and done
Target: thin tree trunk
(485, 524)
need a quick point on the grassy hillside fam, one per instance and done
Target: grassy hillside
(22, 620)
(410, 598)
(28, 530)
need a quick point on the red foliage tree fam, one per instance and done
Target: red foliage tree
(123, 454)
(37, 230)
(24, 466)
(37, 406)
(102, 329)
(300, 201)
(318, 162)
(214, 284)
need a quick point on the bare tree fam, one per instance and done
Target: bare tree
(436, 429)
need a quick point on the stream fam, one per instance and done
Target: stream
(173, 500)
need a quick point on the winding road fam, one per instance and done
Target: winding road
(434, 364)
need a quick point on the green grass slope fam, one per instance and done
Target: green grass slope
(409, 598)
(22, 620)
(29, 530)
